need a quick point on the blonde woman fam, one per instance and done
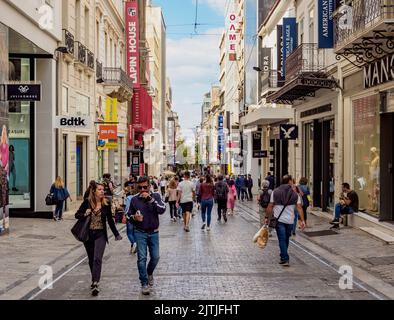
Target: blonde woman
(172, 197)
(60, 194)
(99, 210)
(4, 150)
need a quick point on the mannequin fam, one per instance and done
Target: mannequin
(374, 167)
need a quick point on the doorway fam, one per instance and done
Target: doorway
(80, 166)
(280, 149)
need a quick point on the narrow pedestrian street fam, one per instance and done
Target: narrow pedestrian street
(220, 264)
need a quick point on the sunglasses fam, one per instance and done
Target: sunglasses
(143, 187)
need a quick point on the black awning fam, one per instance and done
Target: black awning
(301, 87)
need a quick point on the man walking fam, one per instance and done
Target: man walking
(186, 197)
(244, 189)
(283, 203)
(238, 186)
(145, 208)
(221, 192)
(249, 185)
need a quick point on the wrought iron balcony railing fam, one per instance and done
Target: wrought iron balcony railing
(90, 59)
(80, 52)
(117, 76)
(306, 58)
(68, 41)
(356, 17)
(99, 71)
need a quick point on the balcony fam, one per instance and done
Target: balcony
(99, 72)
(68, 43)
(80, 55)
(117, 84)
(364, 30)
(270, 82)
(90, 59)
(305, 74)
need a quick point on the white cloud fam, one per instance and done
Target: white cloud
(218, 5)
(192, 66)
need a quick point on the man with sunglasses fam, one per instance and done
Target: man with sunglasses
(144, 211)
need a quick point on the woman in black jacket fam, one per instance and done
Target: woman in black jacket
(97, 207)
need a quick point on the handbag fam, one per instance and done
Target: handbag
(274, 221)
(50, 199)
(81, 229)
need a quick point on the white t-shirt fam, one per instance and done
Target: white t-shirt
(186, 187)
(163, 183)
(288, 214)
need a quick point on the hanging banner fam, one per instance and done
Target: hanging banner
(108, 132)
(289, 38)
(279, 52)
(232, 36)
(111, 110)
(325, 24)
(266, 59)
(132, 41)
(288, 132)
(220, 136)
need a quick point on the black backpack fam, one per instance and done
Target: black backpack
(221, 191)
(265, 198)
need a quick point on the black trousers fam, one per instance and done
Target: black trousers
(222, 208)
(250, 193)
(244, 194)
(95, 247)
(172, 208)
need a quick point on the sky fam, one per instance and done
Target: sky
(192, 60)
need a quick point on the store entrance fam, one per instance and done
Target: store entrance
(280, 150)
(386, 166)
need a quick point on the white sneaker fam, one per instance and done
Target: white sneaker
(208, 228)
(134, 248)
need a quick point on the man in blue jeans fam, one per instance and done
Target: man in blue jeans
(348, 203)
(145, 208)
(282, 204)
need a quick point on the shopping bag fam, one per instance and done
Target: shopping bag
(261, 237)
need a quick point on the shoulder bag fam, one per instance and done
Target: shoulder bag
(81, 229)
(274, 221)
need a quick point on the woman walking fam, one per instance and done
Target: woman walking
(297, 190)
(172, 197)
(231, 196)
(207, 200)
(306, 193)
(99, 210)
(60, 194)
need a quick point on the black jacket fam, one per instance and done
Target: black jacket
(106, 215)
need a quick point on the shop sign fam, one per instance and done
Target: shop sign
(107, 145)
(232, 36)
(279, 52)
(24, 92)
(288, 132)
(132, 39)
(80, 122)
(108, 132)
(266, 59)
(326, 24)
(111, 110)
(260, 154)
(379, 72)
(256, 143)
(289, 38)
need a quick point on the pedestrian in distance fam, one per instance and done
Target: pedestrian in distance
(297, 190)
(264, 199)
(60, 194)
(238, 186)
(163, 186)
(249, 185)
(271, 180)
(99, 210)
(306, 197)
(221, 192)
(172, 195)
(207, 202)
(186, 197)
(108, 186)
(282, 203)
(198, 194)
(91, 186)
(145, 209)
(132, 191)
(231, 197)
(244, 189)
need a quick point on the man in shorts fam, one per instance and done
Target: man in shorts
(186, 197)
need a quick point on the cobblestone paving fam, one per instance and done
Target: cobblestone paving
(220, 264)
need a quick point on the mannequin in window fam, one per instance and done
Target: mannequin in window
(374, 167)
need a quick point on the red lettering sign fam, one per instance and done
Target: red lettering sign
(132, 41)
(108, 132)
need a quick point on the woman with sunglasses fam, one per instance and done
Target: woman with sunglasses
(98, 208)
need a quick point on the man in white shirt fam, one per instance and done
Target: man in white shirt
(186, 197)
(283, 203)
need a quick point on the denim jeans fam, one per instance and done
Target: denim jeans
(283, 231)
(59, 209)
(130, 232)
(147, 241)
(206, 210)
(344, 210)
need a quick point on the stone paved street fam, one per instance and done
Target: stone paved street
(220, 264)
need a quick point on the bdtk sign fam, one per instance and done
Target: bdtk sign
(73, 122)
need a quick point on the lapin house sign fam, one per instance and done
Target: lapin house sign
(379, 72)
(132, 37)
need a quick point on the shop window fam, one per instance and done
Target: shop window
(366, 182)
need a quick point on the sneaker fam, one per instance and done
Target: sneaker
(284, 263)
(187, 229)
(151, 280)
(95, 289)
(219, 219)
(203, 227)
(145, 290)
(335, 221)
(134, 248)
(208, 228)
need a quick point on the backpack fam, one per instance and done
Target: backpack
(221, 191)
(265, 199)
